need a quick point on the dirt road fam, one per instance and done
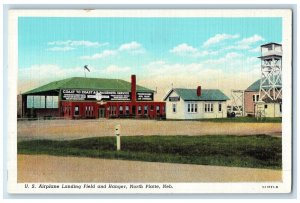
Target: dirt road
(72, 129)
(44, 168)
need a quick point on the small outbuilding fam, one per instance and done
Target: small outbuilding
(251, 97)
(195, 103)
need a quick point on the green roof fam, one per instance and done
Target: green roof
(254, 87)
(206, 95)
(88, 84)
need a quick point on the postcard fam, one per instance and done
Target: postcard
(150, 101)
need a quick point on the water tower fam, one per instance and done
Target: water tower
(270, 91)
(271, 69)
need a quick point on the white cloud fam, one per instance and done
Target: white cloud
(162, 75)
(130, 46)
(164, 68)
(183, 48)
(246, 43)
(69, 45)
(206, 53)
(103, 54)
(233, 62)
(66, 48)
(257, 49)
(229, 58)
(74, 43)
(188, 50)
(41, 71)
(218, 38)
(37, 75)
(116, 69)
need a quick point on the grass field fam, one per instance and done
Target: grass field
(238, 120)
(260, 151)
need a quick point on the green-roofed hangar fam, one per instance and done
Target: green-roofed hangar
(195, 103)
(80, 98)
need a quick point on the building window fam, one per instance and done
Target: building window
(76, 110)
(220, 107)
(139, 110)
(145, 109)
(114, 110)
(174, 108)
(266, 106)
(86, 110)
(192, 108)
(29, 101)
(49, 102)
(127, 109)
(120, 110)
(43, 102)
(209, 107)
(157, 109)
(92, 110)
(255, 97)
(36, 102)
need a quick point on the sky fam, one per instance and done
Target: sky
(216, 53)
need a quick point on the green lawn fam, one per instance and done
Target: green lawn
(260, 151)
(238, 119)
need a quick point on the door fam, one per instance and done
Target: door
(133, 110)
(102, 112)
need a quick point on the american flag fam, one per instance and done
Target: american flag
(86, 67)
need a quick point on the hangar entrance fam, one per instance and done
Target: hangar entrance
(101, 112)
(133, 110)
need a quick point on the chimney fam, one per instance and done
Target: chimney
(133, 88)
(199, 91)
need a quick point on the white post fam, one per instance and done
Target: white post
(118, 134)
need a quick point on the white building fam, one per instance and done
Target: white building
(195, 103)
(268, 108)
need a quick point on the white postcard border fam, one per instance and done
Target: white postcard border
(282, 187)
